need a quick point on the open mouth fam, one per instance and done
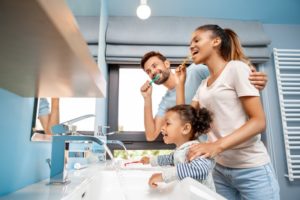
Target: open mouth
(194, 52)
(156, 77)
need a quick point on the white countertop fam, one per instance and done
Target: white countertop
(42, 190)
(102, 181)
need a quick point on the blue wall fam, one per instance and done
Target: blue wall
(271, 12)
(22, 161)
(285, 37)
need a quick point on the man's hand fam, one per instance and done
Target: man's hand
(146, 90)
(157, 177)
(258, 79)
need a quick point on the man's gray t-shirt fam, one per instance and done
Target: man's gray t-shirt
(195, 75)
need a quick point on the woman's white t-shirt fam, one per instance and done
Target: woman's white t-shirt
(222, 99)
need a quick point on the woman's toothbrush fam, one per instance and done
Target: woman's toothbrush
(186, 60)
(154, 79)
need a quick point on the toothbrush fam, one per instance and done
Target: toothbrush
(154, 79)
(133, 162)
(185, 61)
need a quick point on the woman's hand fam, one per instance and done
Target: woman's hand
(258, 79)
(181, 74)
(145, 160)
(157, 177)
(205, 150)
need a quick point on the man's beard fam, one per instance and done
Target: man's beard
(164, 76)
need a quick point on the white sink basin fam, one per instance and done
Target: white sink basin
(133, 185)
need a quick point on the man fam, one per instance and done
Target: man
(154, 63)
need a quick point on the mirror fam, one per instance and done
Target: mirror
(51, 111)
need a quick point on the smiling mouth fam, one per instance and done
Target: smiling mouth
(195, 52)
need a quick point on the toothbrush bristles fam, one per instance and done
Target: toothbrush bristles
(186, 60)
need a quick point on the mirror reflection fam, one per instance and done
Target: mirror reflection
(49, 112)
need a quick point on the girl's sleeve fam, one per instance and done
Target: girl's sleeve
(162, 160)
(197, 169)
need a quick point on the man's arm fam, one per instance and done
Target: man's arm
(152, 125)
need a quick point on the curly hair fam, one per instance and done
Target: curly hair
(200, 120)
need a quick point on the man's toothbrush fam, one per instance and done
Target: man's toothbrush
(154, 79)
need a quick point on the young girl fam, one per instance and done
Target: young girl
(183, 126)
(243, 169)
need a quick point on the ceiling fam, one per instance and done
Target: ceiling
(269, 12)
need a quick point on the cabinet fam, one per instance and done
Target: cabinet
(43, 53)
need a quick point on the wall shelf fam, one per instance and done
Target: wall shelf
(43, 53)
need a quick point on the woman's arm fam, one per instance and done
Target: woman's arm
(256, 124)
(181, 76)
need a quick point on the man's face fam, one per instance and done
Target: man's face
(155, 66)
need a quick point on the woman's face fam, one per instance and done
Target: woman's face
(202, 46)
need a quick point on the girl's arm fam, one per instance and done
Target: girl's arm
(197, 169)
(163, 160)
(255, 125)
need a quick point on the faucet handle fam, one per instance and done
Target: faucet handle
(101, 128)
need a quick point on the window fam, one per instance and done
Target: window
(131, 102)
(126, 107)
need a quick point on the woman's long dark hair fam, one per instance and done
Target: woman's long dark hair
(231, 48)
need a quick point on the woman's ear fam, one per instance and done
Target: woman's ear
(187, 129)
(217, 41)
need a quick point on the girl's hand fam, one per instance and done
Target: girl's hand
(205, 150)
(157, 177)
(181, 73)
(145, 160)
(258, 79)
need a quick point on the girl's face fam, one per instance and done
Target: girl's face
(202, 45)
(174, 131)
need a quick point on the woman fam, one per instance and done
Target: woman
(243, 169)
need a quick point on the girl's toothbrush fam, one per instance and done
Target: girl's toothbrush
(154, 79)
(133, 162)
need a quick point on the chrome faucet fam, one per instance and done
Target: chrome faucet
(58, 172)
(63, 134)
(67, 127)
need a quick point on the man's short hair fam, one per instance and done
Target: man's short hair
(151, 54)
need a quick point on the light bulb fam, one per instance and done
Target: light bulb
(143, 11)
